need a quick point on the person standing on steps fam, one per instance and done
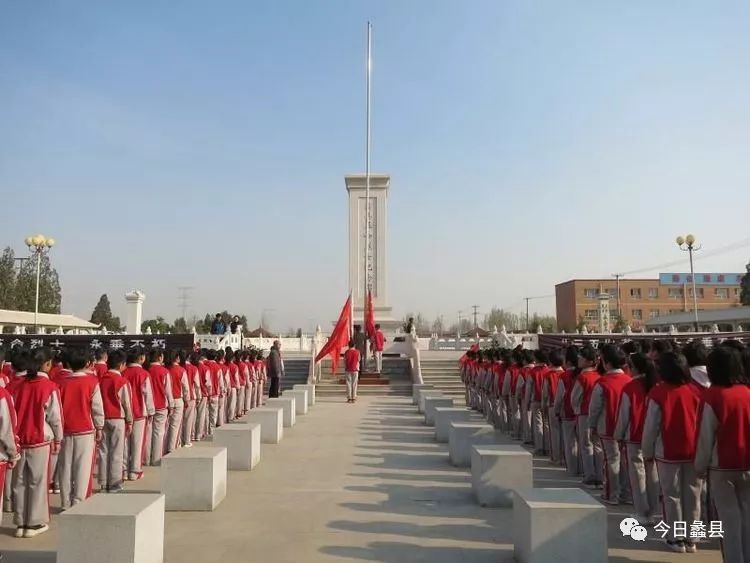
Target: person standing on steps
(360, 343)
(275, 369)
(378, 343)
(351, 366)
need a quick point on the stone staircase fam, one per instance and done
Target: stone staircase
(394, 381)
(444, 375)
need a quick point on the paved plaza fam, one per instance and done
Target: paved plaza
(363, 482)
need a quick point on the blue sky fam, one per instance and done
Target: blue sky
(204, 144)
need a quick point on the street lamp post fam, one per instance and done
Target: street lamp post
(687, 244)
(38, 245)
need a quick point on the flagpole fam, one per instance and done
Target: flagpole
(367, 179)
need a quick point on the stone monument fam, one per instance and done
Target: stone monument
(604, 316)
(376, 268)
(134, 301)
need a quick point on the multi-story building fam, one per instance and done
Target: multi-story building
(642, 299)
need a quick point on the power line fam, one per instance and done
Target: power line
(717, 252)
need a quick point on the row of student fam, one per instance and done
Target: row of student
(636, 421)
(63, 419)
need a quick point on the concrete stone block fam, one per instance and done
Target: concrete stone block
(242, 441)
(497, 471)
(310, 392)
(194, 478)
(463, 435)
(560, 525)
(289, 407)
(445, 415)
(124, 528)
(423, 394)
(430, 403)
(300, 399)
(271, 420)
(418, 387)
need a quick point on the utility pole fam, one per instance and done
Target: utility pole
(475, 307)
(619, 311)
(459, 321)
(527, 313)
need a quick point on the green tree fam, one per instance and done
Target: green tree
(49, 286)
(547, 322)
(8, 279)
(180, 326)
(102, 315)
(745, 287)
(499, 317)
(157, 325)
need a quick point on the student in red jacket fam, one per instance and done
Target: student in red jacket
(605, 398)
(117, 399)
(189, 363)
(201, 410)
(214, 371)
(533, 400)
(723, 450)
(351, 366)
(631, 415)
(378, 344)
(100, 364)
(9, 446)
(83, 416)
(40, 432)
(161, 385)
(549, 390)
(669, 436)
(143, 412)
(180, 386)
(563, 408)
(591, 450)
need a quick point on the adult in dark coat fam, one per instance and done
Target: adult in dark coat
(275, 369)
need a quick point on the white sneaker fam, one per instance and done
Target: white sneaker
(33, 532)
(19, 532)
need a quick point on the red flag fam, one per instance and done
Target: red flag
(369, 317)
(339, 337)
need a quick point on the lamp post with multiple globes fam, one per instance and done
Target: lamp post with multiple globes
(687, 244)
(38, 245)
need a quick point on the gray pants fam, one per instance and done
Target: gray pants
(110, 452)
(201, 419)
(54, 471)
(730, 491)
(644, 482)
(76, 465)
(249, 396)
(188, 423)
(537, 428)
(515, 419)
(591, 451)
(555, 436)
(232, 404)
(241, 400)
(158, 436)
(525, 422)
(259, 393)
(570, 446)
(148, 435)
(615, 479)
(134, 446)
(379, 361)
(221, 411)
(174, 425)
(10, 481)
(351, 384)
(681, 493)
(213, 414)
(31, 491)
